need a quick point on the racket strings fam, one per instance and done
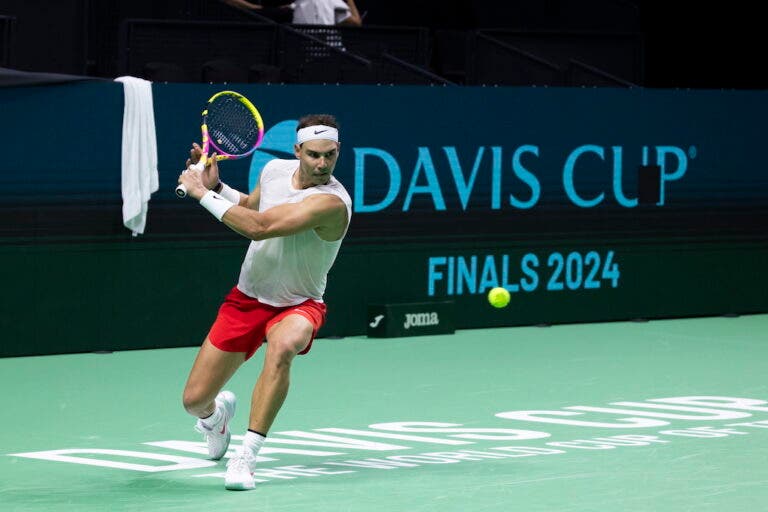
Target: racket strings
(232, 126)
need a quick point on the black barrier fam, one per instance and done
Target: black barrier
(411, 319)
(7, 29)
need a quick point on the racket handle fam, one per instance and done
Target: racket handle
(181, 191)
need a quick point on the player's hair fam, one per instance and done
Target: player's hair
(316, 119)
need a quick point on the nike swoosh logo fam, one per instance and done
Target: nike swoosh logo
(223, 429)
(376, 321)
(320, 131)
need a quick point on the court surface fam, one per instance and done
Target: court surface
(566, 418)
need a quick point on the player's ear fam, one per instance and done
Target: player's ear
(297, 150)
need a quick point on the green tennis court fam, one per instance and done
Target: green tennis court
(666, 415)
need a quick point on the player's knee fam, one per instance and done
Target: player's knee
(286, 348)
(194, 402)
(285, 344)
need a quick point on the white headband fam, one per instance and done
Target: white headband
(318, 131)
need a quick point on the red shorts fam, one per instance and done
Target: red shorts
(243, 322)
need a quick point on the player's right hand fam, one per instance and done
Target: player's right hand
(191, 179)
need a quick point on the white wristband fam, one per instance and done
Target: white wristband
(229, 193)
(216, 204)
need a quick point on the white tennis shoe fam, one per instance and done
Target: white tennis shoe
(218, 436)
(240, 472)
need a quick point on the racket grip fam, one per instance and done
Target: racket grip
(181, 191)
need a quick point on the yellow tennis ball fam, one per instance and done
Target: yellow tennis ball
(498, 297)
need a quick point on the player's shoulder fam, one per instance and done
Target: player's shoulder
(281, 165)
(277, 168)
(335, 188)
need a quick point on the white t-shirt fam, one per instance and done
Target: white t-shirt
(320, 12)
(287, 270)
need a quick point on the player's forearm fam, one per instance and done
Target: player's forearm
(234, 196)
(281, 220)
(243, 4)
(243, 200)
(354, 15)
(246, 222)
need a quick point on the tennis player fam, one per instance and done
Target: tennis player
(296, 218)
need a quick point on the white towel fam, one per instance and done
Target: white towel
(139, 157)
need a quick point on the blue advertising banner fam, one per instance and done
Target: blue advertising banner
(586, 204)
(528, 162)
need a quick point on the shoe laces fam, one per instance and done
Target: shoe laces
(241, 463)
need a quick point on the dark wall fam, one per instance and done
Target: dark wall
(702, 46)
(50, 36)
(613, 15)
(709, 45)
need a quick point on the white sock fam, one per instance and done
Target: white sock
(214, 419)
(252, 442)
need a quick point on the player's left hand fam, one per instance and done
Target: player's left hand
(211, 173)
(194, 154)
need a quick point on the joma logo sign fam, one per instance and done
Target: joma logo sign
(420, 320)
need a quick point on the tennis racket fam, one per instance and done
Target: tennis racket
(231, 126)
